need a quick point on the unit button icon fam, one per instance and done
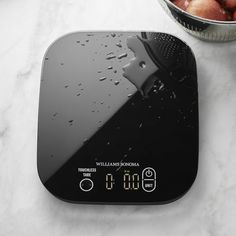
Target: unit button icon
(149, 185)
(149, 179)
(86, 184)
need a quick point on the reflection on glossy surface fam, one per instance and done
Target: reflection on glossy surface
(72, 87)
(141, 68)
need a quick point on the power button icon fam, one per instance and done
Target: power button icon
(148, 173)
(149, 179)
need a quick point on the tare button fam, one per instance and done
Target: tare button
(149, 179)
(86, 184)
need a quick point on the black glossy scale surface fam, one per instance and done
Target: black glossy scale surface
(97, 135)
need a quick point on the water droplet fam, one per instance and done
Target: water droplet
(77, 41)
(62, 64)
(113, 35)
(129, 95)
(87, 41)
(46, 58)
(161, 86)
(111, 57)
(155, 91)
(122, 55)
(149, 107)
(108, 143)
(105, 46)
(115, 71)
(130, 148)
(82, 44)
(125, 155)
(55, 114)
(140, 126)
(102, 79)
(93, 111)
(78, 94)
(51, 155)
(66, 86)
(174, 95)
(119, 45)
(99, 71)
(116, 82)
(101, 102)
(109, 94)
(142, 64)
(79, 84)
(109, 67)
(110, 53)
(183, 78)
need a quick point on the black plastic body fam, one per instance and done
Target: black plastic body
(158, 132)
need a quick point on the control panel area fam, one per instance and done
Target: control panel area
(125, 181)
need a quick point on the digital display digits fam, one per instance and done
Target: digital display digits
(109, 181)
(130, 181)
(134, 181)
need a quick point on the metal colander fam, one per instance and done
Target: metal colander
(210, 30)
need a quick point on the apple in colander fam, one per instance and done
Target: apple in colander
(183, 4)
(221, 10)
(209, 9)
(234, 16)
(230, 4)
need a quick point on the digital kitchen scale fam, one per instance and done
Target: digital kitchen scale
(118, 118)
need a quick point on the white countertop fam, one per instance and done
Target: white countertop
(26, 208)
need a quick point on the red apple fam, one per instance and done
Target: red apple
(183, 4)
(234, 16)
(221, 2)
(209, 9)
(230, 4)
